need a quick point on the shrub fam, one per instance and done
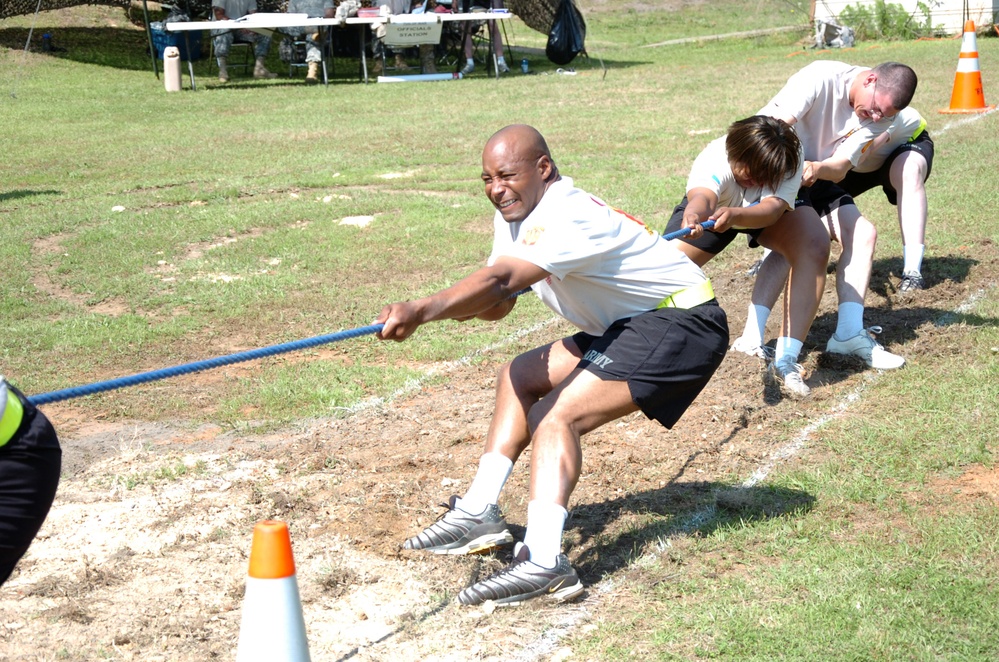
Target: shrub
(884, 20)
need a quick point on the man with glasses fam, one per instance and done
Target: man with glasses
(837, 110)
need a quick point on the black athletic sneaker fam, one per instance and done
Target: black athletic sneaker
(524, 580)
(911, 282)
(458, 532)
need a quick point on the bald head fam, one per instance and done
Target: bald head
(523, 140)
(517, 169)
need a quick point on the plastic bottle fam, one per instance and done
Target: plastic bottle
(171, 69)
(524, 66)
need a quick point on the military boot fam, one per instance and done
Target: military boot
(312, 77)
(260, 71)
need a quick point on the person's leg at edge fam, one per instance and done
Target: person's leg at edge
(580, 404)
(853, 274)
(261, 44)
(908, 175)
(770, 280)
(858, 236)
(222, 43)
(801, 242)
(497, 39)
(469, 55)
(473, 522)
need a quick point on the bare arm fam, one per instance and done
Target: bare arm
(832, 169)
(761, 215)
(484, 294)
(701, 204)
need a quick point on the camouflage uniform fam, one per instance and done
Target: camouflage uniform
(315, 9)
(223, 38)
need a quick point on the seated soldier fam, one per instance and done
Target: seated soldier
(230, 10)
(393, 8)
(313, 45)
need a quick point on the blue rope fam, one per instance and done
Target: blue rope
(685, 231)
(121, 382)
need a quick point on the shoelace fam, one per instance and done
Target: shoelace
(873, 331)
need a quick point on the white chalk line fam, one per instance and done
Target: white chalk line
(963, 122)
(545, 644)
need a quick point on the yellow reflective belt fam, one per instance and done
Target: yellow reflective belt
(689, 297)
(10, 418)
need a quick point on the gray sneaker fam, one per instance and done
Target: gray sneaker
(787, 374)
(523, 580)
(458, 532)
(912, 281)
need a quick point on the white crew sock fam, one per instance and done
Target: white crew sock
(787, 347)
(912, 258)
(545, 522)
(494, 469)
(756, 323)
(501, 60)
(470, 62)
(850, 320)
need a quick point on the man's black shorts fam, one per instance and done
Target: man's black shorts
(29, 474)
(856, 183)
(667, 356)
(715, 242)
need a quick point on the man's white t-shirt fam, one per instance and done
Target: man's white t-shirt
(711, 170)
(907, 126)
(605, 265)
(818, 97)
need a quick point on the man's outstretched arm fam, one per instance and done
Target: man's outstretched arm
(485, 293)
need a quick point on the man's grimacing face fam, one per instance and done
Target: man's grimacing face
(514, 184)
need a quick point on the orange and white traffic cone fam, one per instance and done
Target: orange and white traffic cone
(272, 627)
(967, 96)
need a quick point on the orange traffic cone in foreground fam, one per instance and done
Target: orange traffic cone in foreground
(968, 96)
(272, 628)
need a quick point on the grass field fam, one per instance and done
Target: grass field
(230, 237)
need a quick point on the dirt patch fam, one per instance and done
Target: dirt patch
(975, 483)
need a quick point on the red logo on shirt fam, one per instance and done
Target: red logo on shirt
(532, 235)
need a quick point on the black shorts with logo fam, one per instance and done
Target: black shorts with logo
(29, 474)
(856, 183)
(666, 356)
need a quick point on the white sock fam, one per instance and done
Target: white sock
(501, 60)
(787, 347)
(756, 323)
(912, 259)
(494, 469)
(850, 321)
(470, 61)
(545, 522)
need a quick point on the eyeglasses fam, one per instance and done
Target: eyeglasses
(876, 113)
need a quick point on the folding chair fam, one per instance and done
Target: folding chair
(298, 51)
